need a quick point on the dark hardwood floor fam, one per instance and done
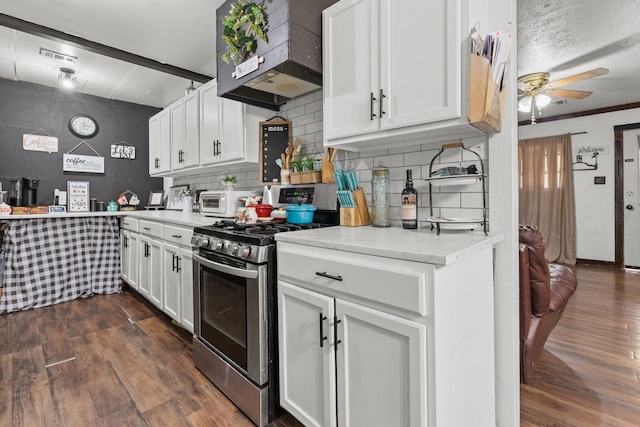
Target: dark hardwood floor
(114, 360)
(109, 360)
(588, 374)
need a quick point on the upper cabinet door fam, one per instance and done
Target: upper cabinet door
(177, 135)
(350, 68)
(420, 65)
(160, 143)
(232, 130)
(191, 106)
(209, 123)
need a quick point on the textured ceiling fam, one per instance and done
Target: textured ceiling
(568, 37)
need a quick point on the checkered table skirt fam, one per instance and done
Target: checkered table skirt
(48, 261)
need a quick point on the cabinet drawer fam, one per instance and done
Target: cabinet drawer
(151, 228)
(390, 282)
(178, 235)
(129, 223)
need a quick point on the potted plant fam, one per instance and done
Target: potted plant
(228, 182)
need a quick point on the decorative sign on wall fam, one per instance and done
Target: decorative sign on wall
(274, 139)
(45, 143)
(78, 196)
(79, 163)
(123, 150)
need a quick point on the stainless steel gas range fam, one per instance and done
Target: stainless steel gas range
(235, 279)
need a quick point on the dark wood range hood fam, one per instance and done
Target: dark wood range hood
(292, 56)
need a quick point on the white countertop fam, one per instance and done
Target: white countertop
(189, 219)
(422, 245)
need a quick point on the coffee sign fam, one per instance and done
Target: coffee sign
(45, 143)
(78, 163)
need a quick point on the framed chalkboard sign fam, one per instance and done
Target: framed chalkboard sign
(274, 139)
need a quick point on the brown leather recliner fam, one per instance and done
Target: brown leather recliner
(545, 290)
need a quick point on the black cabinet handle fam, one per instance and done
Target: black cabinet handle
(382, 97)
(335, 330)
(371, 106)
(178, 264)
(322, 337)
(157, 162)
(176, 236)
(146, 228)
(126, 242)
(324, 274)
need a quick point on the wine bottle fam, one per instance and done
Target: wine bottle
(409, 204)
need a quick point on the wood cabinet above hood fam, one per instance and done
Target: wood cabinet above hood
(292, 56)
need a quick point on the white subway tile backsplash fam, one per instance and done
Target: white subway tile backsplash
(306, 115)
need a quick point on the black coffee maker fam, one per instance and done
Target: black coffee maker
(29, 191)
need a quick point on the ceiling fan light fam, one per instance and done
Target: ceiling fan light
(542, 101)
(524, 105)
(67, 79)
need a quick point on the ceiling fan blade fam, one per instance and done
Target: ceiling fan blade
(568, 93)
(578, 77)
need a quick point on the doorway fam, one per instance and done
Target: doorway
(631, 197)
(627, 221)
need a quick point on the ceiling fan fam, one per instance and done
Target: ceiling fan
(535, 90)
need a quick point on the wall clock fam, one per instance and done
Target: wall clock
(83, 126)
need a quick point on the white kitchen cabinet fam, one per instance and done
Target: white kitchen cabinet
(228, 129)
(129, 257)
(129, 251)
(171, 280)
(157, 262)
(150, 257)
(160, 143)
(379, 359)
(307, 363)
(408, 322)
(185, 131)
(394, 72)
(178, 275)
(186, 289)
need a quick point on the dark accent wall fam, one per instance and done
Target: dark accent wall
(27, 107)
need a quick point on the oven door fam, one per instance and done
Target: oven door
(230, 313)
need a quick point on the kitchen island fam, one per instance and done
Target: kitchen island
(51, 258)
(385, 326)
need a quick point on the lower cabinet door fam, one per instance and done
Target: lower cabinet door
(144, 258)
(186, 289)
(171, 280)
(307, 355)
(155, 272)
(381, 368)
(131, 261)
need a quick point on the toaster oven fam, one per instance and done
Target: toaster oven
(222, 203)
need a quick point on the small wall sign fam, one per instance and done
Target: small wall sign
(123, 152)
(44, 143)
(79, 163)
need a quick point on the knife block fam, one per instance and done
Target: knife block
(358, 215)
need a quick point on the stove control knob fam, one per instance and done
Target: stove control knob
(195, 240)
(246, 251)
(219, 245)
(204, 242)
(235, 249)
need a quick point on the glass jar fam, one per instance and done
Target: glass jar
(380, 196)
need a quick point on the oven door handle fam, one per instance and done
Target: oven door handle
(240, 272)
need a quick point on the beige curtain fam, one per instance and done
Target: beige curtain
(546, 196)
